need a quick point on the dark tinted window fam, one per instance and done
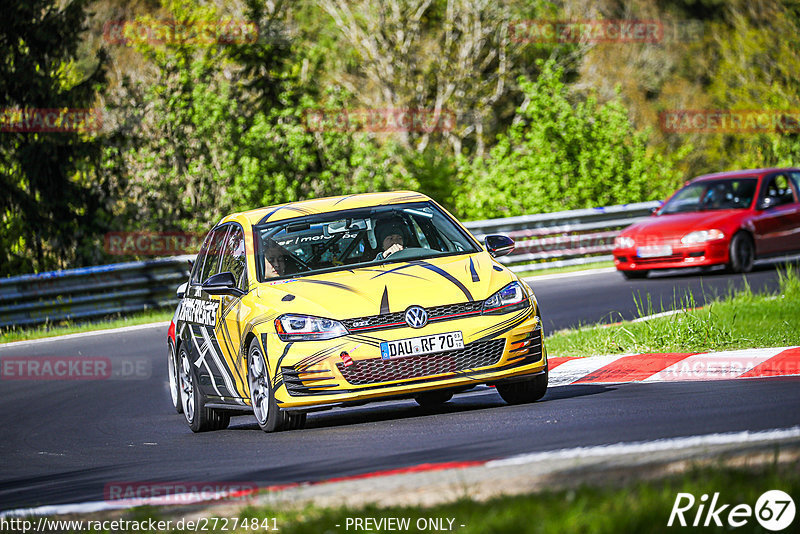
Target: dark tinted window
(341, 240)
(726, 194)
(211, 262)
(234, 256)
(777, 187)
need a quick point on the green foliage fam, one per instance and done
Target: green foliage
(49, 201)
(564, 153)
(201, 152)
(742, 320)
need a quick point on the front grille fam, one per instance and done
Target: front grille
(660, 259)
(397, 319)
(375, 370)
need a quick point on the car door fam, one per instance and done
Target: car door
(201, 322)
(233, 311)
(776, 219)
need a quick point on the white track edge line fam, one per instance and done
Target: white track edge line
(616, 449)
(78, 335)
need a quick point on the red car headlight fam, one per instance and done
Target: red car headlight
(702, 236)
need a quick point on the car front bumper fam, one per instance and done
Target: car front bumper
(317, 374)
(699, 255)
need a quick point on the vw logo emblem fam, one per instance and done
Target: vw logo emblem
(416, 317)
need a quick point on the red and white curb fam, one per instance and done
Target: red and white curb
(675, 367)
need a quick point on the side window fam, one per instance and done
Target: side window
(211, 263)
(796, 181)
(777, 187)
(197, 268)
(234, 256)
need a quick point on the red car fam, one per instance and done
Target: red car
(727, 218)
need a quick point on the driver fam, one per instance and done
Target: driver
(274, 260)
(390, 234)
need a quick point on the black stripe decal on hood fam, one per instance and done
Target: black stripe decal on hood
(448, 276)
(473, 272)
(330, 284)
(384, 301)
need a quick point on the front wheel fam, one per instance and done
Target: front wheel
(199, 418)
(742, 254)
(269, 417)
(524, 391)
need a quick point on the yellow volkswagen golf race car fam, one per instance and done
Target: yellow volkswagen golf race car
(341, 301)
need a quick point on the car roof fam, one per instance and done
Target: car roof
(742, 173)
(324, 205)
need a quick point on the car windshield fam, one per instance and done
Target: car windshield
(725, 194)
(345, 239)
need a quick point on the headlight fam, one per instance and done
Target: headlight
(623, 242)
(701, 236)
(510, 298)
(307, 328)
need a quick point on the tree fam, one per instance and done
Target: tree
(50, 206)
(564, 154)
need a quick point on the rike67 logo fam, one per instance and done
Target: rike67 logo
(774, 511)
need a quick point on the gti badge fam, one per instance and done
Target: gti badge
(416, 317)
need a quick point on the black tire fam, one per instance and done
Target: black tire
(635, 275)
(268, 416)
(742, 253)
(199, 418)
(174, 379)
(430, 399)
(524, 391)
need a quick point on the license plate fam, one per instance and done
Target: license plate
(654, 251)
(422, 345)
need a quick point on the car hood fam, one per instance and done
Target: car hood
(387, 288)
(679, 224)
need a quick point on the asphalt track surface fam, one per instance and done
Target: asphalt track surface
(63, 441)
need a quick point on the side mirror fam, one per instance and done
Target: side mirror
(181, 290)
(654, 211)
(767, 203)
(222, 284)
(498, 245)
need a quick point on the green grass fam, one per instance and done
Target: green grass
(613, 507)
(741, 320)
(569, 269)
(67, 327)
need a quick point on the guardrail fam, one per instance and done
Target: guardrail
(91, 291)
(573, 237)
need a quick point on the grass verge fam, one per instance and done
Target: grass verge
(68, 327)
(568, 269)
(741, 320)
(613, 507)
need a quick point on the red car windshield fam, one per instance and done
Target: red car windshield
(726, 194)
